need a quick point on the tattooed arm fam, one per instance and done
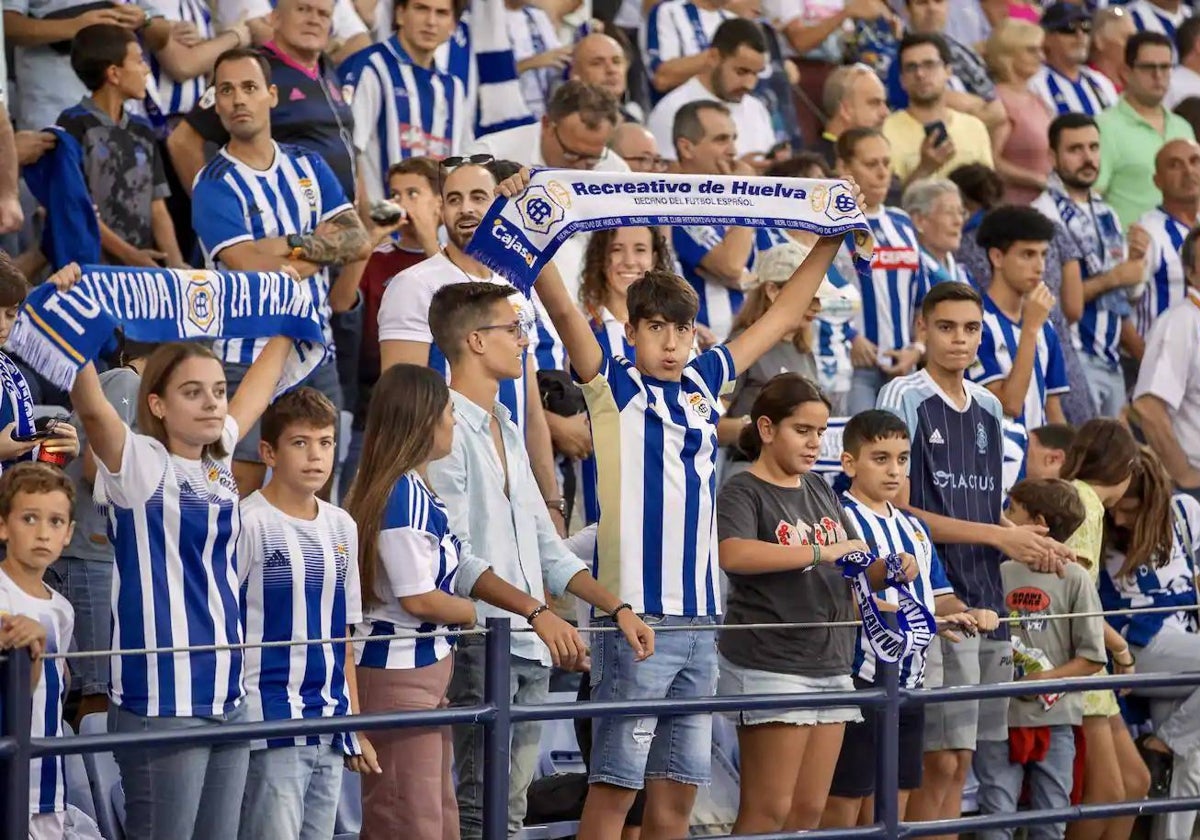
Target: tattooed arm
(340, 239)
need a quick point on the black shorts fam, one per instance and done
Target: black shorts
(855, 773)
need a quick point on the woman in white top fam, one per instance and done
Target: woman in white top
(172, 506)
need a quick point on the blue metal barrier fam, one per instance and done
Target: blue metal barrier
(497, 714)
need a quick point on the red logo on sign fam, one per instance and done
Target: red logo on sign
(892, 259)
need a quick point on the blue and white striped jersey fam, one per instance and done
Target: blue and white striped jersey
(174, 525)
(896, 533)
(531, 32)
(417, 554)
(234, 203)
(1150, 18)
(1172, 584)
(1165, 281)
(898, 281)
(404, 316)
(1090, 94)
(997, 350)
(955, 471)
(832, 335)
(937, 272)
(176, 97)
(401, 110)
(299, 581)
(718, 303)
(656, 451)
(47, 783)
(675, 28)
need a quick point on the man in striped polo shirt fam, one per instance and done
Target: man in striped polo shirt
(404, 106)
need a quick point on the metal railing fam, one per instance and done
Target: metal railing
(497, 714)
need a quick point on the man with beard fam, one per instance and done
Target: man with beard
(1065, 81)
(404, 335)
(1133, 130)
(243, 210)
(1110, 265)
(928, 138)
(742, 55)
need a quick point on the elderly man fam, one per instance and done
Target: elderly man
(1177, 175)
(638, 148)
(1167, 397)
(853, 98)
(600, 60)
(1065, 81)
(1111, 29)
(311, 112)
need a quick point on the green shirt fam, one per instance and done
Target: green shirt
(1128, 146)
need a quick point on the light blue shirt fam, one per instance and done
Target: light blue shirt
(512, 531)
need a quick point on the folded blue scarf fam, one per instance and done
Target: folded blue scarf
(915, 625)
(518, 237)
(17, 405)
(72, 233)
(58, 333)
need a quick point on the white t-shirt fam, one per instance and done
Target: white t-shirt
(1185, 82)
(755, 131)
(1171, 370)
(523, 144)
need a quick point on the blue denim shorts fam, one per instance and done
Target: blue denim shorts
(628, 750)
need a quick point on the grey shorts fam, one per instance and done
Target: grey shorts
(973, 661)
(323, 379)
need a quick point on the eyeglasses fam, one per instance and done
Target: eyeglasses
(517, 329)
(572, 157)
(649, 163)
(462, 160)
(1082, 26)
(922, 66)
(1147, 67)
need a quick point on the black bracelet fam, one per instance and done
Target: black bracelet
(538, 610)
(620, 607)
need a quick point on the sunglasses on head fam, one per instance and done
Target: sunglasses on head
(462, 160)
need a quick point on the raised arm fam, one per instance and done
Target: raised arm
(258, 388)
(785, 314)
(587, 358)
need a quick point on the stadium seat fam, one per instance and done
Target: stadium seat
(558, 749)
(105, 781)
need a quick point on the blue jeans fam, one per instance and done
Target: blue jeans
(1050, 782)
(176, 793)
(628, 750)
(87, 584)
(864, 389)
(528, 685)
(292, 793)
(1105, 384)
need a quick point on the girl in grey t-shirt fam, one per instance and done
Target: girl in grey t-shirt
(781, 530)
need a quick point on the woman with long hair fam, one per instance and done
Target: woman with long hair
(1153, 538)
(173, 515)
(1014, 56)
(1100, 463)
(614, 259)
(787, 756)
(407, 564)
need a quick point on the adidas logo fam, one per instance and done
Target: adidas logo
(936, 437)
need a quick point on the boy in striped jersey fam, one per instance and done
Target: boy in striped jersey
(654, 427)
(36, 502)
(875, 455)
(404, 106)
(298, 569)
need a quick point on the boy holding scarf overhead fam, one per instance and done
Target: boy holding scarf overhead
(664, 406)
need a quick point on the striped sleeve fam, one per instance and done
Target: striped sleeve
(987, 367)
(661, 39)
(715, 367)
(408, 550)
(897, 397)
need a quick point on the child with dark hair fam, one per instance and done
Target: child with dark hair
(1040, 749)
(1047, 450)
(875, 454)
(121, 159)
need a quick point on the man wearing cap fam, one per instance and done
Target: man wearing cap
(1065, 81)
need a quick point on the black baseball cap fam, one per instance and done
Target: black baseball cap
(1062, 17)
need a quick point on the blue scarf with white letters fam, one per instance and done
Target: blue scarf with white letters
(518, 237)
(58, 333)
(915, 624)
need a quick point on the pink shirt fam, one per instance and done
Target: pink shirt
(1029, 120)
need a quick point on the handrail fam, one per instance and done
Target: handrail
(497, 714)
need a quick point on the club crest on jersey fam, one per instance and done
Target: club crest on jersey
(348, 94)
(201, 296)
(540, 211)
(700, 405)
(308, 191)
(981, 439)
(209, 98)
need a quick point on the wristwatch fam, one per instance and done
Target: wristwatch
(295, 243)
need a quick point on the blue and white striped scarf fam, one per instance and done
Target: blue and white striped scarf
(518, 237)
(58, 333)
